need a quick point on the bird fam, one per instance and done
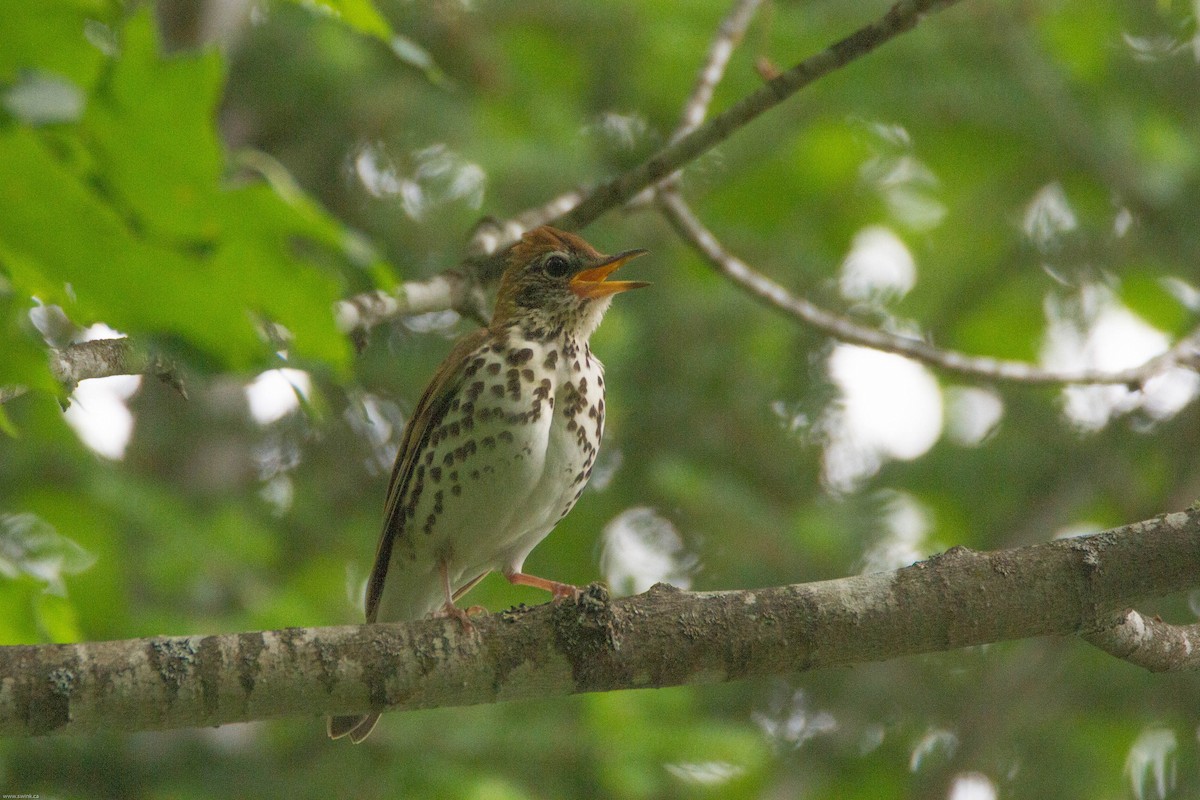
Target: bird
(501, 443)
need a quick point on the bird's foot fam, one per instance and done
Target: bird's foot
(463, 617)
(558, 591)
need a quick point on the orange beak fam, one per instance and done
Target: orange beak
(591, 283)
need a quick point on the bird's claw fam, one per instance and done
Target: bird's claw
(564, 591)
(463, 617)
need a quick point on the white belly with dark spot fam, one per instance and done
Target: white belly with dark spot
(508, 461)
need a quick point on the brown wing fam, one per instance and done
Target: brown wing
(431, 408)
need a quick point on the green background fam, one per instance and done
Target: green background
(184, 192)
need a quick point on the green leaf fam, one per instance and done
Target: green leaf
(358, 14)
(64, 37)
(417, 56)
(57, 618)
(100, 271)
(1009, 326)
(24, 362)
(151, 128)
(364, 17)
(17, 598)
(160, 243)
(6, 425)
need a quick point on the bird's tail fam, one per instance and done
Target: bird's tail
(414, 598)
(426, 598)
(356, 727)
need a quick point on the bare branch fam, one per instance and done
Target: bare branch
(728, 35)
(576, 209)
(103, 358)
(691, 229)
(1151, 643)
(902, 17)
(100, 358)
(695, 108)
(452, 289)
(491, 236)
(665, 637)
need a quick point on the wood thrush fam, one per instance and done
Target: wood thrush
(501, 442)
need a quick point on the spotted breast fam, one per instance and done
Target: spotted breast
(511, 453)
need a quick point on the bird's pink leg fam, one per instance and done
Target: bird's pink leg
(448, 608)
(558, 591)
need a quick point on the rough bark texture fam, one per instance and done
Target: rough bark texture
(665, 637)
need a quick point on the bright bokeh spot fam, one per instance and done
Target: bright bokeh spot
(1048, 216)
(906, 184)
(906, 524)
(789, 721)
(436, 176)
(972, 786)
(276, 393)
(705, 773)
(890, 408)
(936, 746)
(878, 266)
(972, 414)
(32, 547)
(1152, 763)
(1098, 332)
(99, 415)
(641, 548)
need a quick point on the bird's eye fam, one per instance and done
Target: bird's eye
(556, 266)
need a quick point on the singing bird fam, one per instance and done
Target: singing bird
(501, 443)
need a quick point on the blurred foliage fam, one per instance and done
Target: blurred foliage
(208, 176)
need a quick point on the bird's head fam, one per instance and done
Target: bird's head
(557, 282)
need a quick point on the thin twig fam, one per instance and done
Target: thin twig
(104, 358)
(491, 236)
(903, 16)
(692, 230)
(576, 209)
(489, 239)
(442, 292)
(1151, 643)
(728, 35)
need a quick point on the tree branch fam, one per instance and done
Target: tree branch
(463, 288)
(665, 637)
(1151, 643)
(1184, 353)
(730, 32)
(574, 210)
(447, 290)
(102, 358)
(901, 17)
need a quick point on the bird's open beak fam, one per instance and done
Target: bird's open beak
(591, 283)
